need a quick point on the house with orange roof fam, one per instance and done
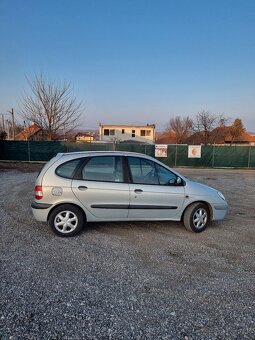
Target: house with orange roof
(32, 132)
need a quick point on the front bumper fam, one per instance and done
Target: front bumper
(220, 211)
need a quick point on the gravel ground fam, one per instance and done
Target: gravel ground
(128, 280)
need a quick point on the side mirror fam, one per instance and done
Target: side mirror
(178, 180)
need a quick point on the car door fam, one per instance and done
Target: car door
(154, 191)
(101, 188)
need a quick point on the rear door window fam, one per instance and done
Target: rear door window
(104, 169)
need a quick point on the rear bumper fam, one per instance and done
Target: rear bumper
(36, 205)
(40, 211)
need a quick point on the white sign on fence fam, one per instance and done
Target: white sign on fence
(160, 150)
(194, 151)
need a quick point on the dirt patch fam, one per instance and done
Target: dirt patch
(132, 280)
(21, 166)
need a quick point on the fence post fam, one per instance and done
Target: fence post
(213, 156)
(249, 156)
(175, 156)
(28, 149)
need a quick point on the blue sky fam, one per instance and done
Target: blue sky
(134, 61)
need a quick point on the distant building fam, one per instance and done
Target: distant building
(244, 139)
(32, 132)
(82, 137)
(127, 133)
(167, 137)
(221, 135)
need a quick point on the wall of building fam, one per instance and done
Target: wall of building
(142, 134)
(84, 138)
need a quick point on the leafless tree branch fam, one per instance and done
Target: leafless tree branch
(50, 105)
(205, 122)
(182, 128)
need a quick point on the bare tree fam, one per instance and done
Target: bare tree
(51, 106)
(3, 135)
(182, 128)
(237, 129)
(205, 122)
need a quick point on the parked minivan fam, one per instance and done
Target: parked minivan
(79, 187)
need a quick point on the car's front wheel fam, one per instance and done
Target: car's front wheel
(196, 217)
(66, 220)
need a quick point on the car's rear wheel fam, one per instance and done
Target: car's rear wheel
(196, 217)
(66, 220)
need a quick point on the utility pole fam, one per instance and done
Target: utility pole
(3, 122)
(8, 129)
(13, 126)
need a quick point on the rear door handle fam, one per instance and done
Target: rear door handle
(138, 191)
(82, 188)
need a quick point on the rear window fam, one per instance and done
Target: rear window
(67, 169)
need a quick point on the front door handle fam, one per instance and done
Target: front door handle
(138, 191)
(82, 187)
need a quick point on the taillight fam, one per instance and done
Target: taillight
(38, 192)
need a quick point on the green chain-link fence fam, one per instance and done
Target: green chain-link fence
(177, 155)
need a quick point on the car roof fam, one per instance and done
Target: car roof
(99, 153)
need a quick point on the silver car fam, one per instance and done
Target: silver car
(79, 187)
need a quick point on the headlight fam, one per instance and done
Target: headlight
(221, 195)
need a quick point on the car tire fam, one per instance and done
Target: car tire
(66, 220)
(196, 217)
